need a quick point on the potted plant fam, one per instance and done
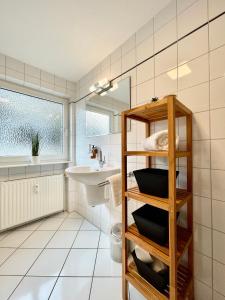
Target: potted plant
(35, 148)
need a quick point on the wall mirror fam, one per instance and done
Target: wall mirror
(103, 112)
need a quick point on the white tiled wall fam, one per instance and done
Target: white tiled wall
(13, 70)
(203, 91)
(13, 173)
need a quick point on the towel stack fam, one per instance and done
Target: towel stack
(145, 257)
(158, 141)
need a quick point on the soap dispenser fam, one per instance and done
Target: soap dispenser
(93, 151)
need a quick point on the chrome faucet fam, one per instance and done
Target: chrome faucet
(97, 153)
(100, 160)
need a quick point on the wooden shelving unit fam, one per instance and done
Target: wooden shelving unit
(180, 239)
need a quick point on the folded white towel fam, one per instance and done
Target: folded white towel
(143, 255)
(158, 265)
(107, 192)
(158, 141)
(115, 187)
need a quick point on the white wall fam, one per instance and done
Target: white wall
(15, 173)
(203, 92)
(13, 70)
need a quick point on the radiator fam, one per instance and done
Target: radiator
(28, 199)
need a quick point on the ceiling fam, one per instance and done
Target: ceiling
(70, 37)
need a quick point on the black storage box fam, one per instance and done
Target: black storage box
(153, 223)
(153, 181)
(160, 280)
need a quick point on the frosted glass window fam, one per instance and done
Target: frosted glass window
(21, 116)
(97, 123)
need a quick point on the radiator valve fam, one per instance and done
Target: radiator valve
(36, 188)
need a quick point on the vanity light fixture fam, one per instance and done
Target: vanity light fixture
(104, 93)
(114, 87)
(101, 87)
(182, 71)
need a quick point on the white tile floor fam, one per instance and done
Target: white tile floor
(62, 257)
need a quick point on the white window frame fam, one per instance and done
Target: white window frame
(38, 94)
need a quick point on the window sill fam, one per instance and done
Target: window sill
(28, 164)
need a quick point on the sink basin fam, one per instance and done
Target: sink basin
(89, 175)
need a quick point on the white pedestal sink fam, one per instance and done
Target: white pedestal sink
(91, 177)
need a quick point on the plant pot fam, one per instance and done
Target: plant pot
(35, 159)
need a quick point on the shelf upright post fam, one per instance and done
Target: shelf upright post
(147, 134)
(124, 204)
(190, 202)
(172, 196)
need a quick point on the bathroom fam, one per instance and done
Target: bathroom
(65, 66)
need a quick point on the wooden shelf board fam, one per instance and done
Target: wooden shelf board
(156, 153)
(146, 153)
(156, 111)
(184, 238)
(161, 252)
(147, 290)
(182, 108)
(181, 198)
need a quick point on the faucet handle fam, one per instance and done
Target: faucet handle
(91, 147)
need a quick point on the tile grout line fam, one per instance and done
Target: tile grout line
(92, 279)
(178, 123)
(6, 233)
(65, 276)
(53, 248)
(163, 49)
(203, 282)
(23, 276)
(210, 149)
(42, 250)
(18, 247)
(69, 251)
